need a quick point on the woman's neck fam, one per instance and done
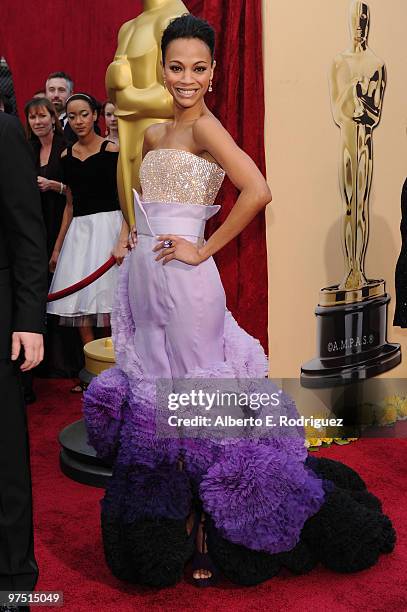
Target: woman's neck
(187, 115)
(113, 134)
(88, 140)
(46, 140)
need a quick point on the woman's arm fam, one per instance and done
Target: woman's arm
(210, 136)
(242, 171)
(122, 246)
(45, 184)
(66, 221)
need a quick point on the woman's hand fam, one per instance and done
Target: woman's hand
(120, 251)
(44, 184)
(174, 247)
(132, 237)
(53, 261)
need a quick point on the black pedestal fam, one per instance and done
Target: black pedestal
(78, 460)
(352, 344)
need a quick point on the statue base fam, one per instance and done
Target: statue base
(77, 459)
(336, 296)
(352, 342)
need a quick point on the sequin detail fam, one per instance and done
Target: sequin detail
(172, 175)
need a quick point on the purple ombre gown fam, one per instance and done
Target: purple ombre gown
(171, 322)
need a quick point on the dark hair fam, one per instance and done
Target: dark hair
(188, 26)
(61, 75)
(40, 103)
(93, 103)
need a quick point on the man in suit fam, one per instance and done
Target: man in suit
(58, 88)
(23, 282)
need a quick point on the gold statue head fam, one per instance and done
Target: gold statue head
(359, 21)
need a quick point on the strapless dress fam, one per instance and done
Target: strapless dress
(267, 504)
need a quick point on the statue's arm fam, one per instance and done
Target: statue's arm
(339, 95)
(124, 36)
(370, 96)
(119, 83)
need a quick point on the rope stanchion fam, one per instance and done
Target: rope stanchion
(57, 295)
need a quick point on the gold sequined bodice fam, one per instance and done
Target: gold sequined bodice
(172, 175)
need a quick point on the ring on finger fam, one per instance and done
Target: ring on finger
(167, 244)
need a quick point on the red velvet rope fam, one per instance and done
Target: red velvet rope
(82, 283)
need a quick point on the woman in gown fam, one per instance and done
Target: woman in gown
(251, 504)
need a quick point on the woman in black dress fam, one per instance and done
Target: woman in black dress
(47, 140)
(92, 228)
(63, 352)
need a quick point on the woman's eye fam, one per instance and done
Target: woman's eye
(200, 69)
(175, 68)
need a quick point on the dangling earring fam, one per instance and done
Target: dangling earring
(165, 84)
(210, 85)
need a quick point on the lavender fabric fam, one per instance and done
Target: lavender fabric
(171, 322)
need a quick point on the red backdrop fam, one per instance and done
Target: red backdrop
(79, 37)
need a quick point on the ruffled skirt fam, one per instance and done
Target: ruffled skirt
(267, 504)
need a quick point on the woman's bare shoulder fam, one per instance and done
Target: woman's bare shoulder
(207, 122)
(156, 131)
(208, 130)
(209, 133)
(111, 146)
(153, 134)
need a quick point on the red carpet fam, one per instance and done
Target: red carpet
(70, 556)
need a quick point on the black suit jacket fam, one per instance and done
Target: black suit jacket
(23, 257)
(69, 134)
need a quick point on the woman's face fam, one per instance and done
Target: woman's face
(110, 118)
(40, 121)
(81, 117)
(187, 70)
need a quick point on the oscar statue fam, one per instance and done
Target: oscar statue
(352, 316)
(134, 83)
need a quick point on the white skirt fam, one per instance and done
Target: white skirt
(88, 244)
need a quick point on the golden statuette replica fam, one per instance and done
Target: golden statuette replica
(134, 83)
(357, 83)
(352, 316)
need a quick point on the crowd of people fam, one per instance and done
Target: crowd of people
(76, 168)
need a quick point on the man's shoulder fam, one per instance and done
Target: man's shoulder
(9, 122)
